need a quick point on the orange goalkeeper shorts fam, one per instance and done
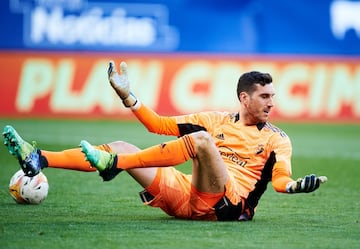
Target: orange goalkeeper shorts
(173, 192)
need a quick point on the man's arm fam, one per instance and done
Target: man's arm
(282, 182)
(150, 119)
(281, 174)
(156, 123)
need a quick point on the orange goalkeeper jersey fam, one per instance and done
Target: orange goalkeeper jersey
(254, 155)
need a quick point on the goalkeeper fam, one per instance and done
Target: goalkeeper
(234, 155)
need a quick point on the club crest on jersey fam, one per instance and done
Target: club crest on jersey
(259, 149)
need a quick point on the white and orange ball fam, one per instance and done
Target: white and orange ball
(28, 189)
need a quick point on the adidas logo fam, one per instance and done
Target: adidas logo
(220, 136)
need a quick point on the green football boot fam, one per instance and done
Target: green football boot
(103, 161)
(28, 155)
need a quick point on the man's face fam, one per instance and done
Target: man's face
(258, 105)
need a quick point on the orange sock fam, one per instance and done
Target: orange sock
(71, 159)
(166, 154)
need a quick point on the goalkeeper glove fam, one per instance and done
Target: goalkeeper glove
(305, 185)
(120, 83)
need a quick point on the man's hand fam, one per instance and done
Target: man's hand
(120, 83)
(306, 185)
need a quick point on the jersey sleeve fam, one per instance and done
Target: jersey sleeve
(197, 122)
(155, 123)
(281, 174)
(177, 125)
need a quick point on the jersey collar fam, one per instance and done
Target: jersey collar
(259, 125)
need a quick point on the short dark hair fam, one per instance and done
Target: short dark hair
(248, 80)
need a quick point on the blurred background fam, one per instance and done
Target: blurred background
(183, 56)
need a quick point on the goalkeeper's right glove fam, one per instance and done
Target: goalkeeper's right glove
(120, 83)
(305, 185)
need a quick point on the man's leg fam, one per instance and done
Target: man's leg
(33, 160)
(212, 183)
(144, 176)
(210, 174)
(73, 159)
(203, 198)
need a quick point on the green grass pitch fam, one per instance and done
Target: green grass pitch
(81, 211)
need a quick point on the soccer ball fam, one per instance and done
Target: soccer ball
(28, 189)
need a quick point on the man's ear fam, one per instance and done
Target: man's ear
(244, 98)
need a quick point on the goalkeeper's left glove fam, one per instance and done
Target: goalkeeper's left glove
(305, 185)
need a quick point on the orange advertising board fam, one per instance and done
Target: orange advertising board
(75, 85)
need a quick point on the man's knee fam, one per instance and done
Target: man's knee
(123, 147)
(202, 139)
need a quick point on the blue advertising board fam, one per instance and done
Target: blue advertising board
(211, 26)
